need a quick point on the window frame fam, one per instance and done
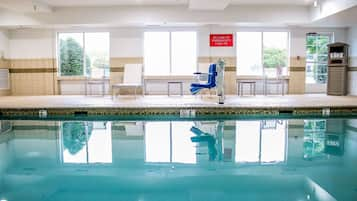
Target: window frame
(170, 51)
(262, 50)
(58, 51)
(316, 61)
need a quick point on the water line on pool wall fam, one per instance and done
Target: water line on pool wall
(220, 80)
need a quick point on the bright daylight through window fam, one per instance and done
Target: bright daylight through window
(84, 54)
(262, 53)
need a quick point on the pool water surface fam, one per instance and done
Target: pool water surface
(213, 160)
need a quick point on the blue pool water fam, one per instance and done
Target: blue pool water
(270, 159)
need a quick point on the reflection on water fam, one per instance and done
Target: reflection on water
(86, 142)
(178, 160)
(261, 141)
(323, 137)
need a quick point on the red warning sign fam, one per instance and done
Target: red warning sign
(221, 40)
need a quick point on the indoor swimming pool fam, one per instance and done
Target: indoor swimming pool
(172, 160)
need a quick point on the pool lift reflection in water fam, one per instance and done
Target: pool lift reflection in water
(214, 141)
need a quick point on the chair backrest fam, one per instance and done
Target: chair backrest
(133, 74)
(212, 73)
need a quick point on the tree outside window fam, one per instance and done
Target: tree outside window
(84, 54)
(275, 59)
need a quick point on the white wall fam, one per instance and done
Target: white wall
(143, 15)
(126, 42)
(31, 44)
(352, 41)
(352, 75)
(4, 43)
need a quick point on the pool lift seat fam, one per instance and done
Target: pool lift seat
(211, 80)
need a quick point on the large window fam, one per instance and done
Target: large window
(262, 53)
(83, 54)
(170, 53)
(316, 57)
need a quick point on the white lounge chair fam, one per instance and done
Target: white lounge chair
(133, 78)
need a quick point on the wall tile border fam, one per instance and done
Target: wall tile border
(33, 70)
(297, 68)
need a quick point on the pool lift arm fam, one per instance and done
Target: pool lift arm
(220, 80)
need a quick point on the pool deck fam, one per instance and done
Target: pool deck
(164, 103)
(287, 101)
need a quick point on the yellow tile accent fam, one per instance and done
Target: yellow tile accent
(230, 61)
(116, 62)
(33, 63)
(4, 63)
(5, 92)
(297, 62)
(297, 82)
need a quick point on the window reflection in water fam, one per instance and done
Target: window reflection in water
(247, 141)
(86, 142)
(323, 137)
(179, 141)
(157, 142)
(273, 141)
(261, 141)
(314, 138)
(169, 142)
(183, 150)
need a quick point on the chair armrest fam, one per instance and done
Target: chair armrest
(199, 73)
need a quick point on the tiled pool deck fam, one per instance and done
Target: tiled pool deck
(141, 105)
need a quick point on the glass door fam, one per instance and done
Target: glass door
(316, 62)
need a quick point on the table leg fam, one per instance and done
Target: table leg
(282, 87)
(181, 88)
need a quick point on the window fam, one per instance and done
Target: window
(84, 54)
(249, 53)
(170, 53)
(317, 58)
(262, 53)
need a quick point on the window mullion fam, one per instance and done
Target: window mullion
(262, 53)
(84, 55)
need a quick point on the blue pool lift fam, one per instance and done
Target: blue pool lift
(211, 81)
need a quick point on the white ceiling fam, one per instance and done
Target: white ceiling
(346, 18)
(176, 12)
(272, 2)
(66, 3)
